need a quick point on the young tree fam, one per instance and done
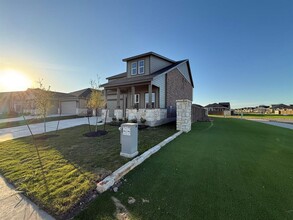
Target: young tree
(43, 101)
(96, 100)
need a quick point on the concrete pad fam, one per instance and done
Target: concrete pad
(23, 131)
(14, 205)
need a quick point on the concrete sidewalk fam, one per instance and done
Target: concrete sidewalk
(14, 205)
(274, 123)
(28, 117)
(23, 131)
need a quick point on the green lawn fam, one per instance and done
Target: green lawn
(231, 169)
(36, 120)
(72, 163)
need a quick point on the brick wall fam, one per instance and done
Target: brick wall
(177, 87)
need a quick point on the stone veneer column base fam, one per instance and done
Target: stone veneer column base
(183, 111)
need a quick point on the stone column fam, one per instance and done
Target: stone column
(150, 95)
(183, 111)
(132, 96)
(118, 98)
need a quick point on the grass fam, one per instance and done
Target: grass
(9, 115)
(233, 169)
(36, 120)
(71, 162)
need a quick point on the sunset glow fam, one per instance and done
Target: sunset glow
(13, 80)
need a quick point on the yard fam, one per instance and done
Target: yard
(228, 169)
(70, 164)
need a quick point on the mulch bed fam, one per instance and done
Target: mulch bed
(95, 133)
(46, 136)
(141, 127)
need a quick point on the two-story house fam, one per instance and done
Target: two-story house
(149, 88)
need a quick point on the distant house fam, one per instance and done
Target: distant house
(73, 103)
(222, 108)
(149, 87)
(262, 109)
(282, 109)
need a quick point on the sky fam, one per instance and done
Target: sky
(239, 51)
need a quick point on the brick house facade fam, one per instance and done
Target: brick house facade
(177, 87)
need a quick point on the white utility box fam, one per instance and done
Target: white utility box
(129, 139)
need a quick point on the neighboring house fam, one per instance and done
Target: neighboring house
(8, 101)
(245, 110)
(282, 109)
(74, 103)
(222, 108)
(149, 88)
(262, 109)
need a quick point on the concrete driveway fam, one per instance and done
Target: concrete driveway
(23, 131)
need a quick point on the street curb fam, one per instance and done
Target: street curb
(110, 180)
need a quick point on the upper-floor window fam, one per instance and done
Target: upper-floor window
(141, 67)
(133, 68)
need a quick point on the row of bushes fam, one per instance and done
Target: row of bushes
(125, 120)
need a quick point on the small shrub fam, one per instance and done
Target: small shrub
(114, 119)
(142, 120)
(133, 120)
(120, 119)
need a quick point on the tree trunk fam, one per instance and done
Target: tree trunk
(44, 124)
(105, 119)
(88, 118)
(28, 126)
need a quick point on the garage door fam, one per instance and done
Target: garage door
(68, 108)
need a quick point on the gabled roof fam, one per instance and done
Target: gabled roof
(120, 75)
(280, 106)
(143, 78)
(55, 94)
(225, 104)
(148, 54)
(84, 93)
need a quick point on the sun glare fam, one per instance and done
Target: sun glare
(12, 80)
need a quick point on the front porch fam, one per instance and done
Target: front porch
(140, 100)
(138, 96)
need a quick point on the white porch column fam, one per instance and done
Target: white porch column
(118, 98)
(132, 96)
(150, 95)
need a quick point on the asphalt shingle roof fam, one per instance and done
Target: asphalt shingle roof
(141, 78)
